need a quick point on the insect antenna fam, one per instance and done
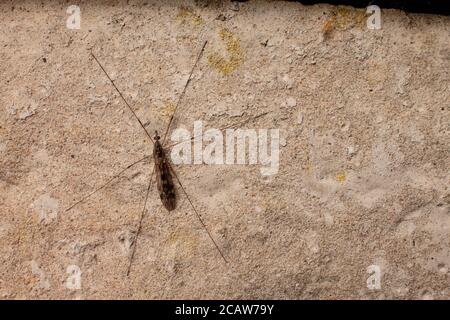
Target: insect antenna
(184, 90)
(196, 213)
(120, 94)
(106, 183)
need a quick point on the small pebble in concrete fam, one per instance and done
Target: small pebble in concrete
(351, 151)
(300, 118)
(291, 102)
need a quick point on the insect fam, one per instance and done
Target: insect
(164, 180)
(165, 175)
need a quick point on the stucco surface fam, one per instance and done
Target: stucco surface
(363, 175)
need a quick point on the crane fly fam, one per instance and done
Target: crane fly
(163, 171)
(164, 181)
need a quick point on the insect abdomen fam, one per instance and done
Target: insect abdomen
(164, 181)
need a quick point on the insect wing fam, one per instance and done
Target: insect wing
(164, 181)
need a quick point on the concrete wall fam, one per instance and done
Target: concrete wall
(364, 151)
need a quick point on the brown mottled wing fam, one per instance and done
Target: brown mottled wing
(164, 181)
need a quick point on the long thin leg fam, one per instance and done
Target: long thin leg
(220, 129)
(196, 213)
(107, 182)
(184, 90)
(120, 94)
(134, 243)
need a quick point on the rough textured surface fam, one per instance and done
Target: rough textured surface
(363, 179)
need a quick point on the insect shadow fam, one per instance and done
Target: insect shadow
(163, 170)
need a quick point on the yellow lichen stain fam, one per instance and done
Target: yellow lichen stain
(340, 177)
(343, 18)
(233, 47)
(328, 26)
(262, 207)
(377, 72)
(168, 109)
(185, 241)
(187, 14)
(187, 38)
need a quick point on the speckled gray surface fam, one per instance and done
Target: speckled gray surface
(363, 177)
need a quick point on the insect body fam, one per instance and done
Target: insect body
(164, 180)
(163, 170)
